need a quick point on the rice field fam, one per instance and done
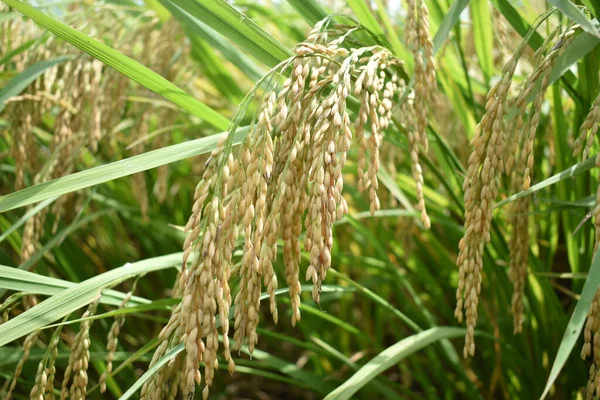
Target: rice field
(210, 199)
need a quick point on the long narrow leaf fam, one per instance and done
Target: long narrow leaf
(125, 65)
(29, 214)
(575, 15)
(20, 82)
(366, 17)
(392, 35)
(575, 323)
(109, 172)
(483, 35)
(451, 18)
(575, 170)
(171, 354)
(78, 296)
(234, 55)
(25, 281)
(310, 10)
(225, 19)
(580, 47)
(391, 356)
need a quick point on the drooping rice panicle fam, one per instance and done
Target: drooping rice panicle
(525, 126)
(288, 168)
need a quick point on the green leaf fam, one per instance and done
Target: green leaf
(59, 237)
(392, 35)
(575, 170)
(593, 6)
(391, 356)
(581, 46)
(109, 172)
(10, 355)
(377, 299)
(238, 28)
(125, 65)
(366, 17)
(575, 323)
(379, 214)
(451, 18)
(7, 16)
(310, 10)
(20, 82)
(25, 218)
(161, 12)
(158, 305)
(171, 354)
(18, 50)
(575, 15)
(231, 53)
(215, 70)
(78, 296)
(25, 281)
(483, 35)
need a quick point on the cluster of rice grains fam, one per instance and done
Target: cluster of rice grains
(591, 344)
(285, 181)
(84, 102)
(503, 144)
(80, 102)
(75, 379)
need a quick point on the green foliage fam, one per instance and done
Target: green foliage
(385, 322)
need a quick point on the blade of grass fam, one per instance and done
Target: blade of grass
(20, 49)
(581, 46)
(169, 355)
(80, 295)
(382, 385)
(451, 18)
(366, 18)
(574, 14)
(158, 305)
(391, 356)
(59, 237)
(575, 170)
(16, 85)
(576, 322)
(30, 282)
(483, 36)
(377, 299)
(310, 10)
(109, 172)
(125, 65)
(225, 19)
(10, 355)
(392, 35)
(380, 214)
(26, 217)
(231, 53)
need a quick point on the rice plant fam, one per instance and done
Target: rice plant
(380, 198)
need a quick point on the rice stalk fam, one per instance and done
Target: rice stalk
(75, 379)
(521, 173)
(481, 185)
(27, 344)
(289, 165)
